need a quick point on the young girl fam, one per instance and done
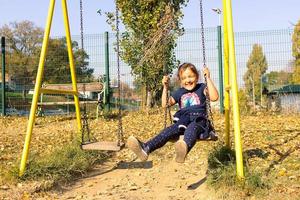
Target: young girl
(191, 118)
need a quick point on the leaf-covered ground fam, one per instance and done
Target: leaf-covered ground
(271, 143)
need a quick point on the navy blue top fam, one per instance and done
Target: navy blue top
(191, 98)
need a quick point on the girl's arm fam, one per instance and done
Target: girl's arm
(211, 88)
(165, 82)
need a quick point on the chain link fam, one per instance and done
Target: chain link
(167, 108)
(85, 126)
(120, 129)
(202, 34)
(208, 106)
(81, 25)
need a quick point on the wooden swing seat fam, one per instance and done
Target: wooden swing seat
(103, 146)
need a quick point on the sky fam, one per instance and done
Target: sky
(248, 15)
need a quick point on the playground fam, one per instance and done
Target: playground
(73, 120)
(271, 148)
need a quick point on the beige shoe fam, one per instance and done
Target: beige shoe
(136, 146)
(181, 151)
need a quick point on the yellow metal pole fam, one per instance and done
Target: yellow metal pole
(226, 78)
(234, 86)
(37, 88)
(71, 61)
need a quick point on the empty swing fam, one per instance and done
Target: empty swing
(86, 142)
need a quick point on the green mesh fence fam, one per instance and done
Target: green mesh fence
(276, 45)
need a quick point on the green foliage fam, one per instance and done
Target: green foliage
(243, 102)
(63, 164)
(149, 41)
(276, 78)
(220, 156)
(222, 172)
(57, 69)
(296, 53)
(256, 67)
(23, 40)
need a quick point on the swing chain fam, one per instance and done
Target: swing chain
(120, 129)
(166, 108)
(202, 34)
(208, 106)
(85, 126)
(81, 26)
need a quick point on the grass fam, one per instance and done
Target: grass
(62, 165)
(222, 173)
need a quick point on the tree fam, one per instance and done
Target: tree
(152, 28)
(57, 69)
(24, 42)
(296, 54)
(256, 67)
(276, 78)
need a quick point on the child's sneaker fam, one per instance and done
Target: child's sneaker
(181, 151)
(137, 147)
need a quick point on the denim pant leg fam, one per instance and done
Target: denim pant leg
(191, 134)
(163, 137)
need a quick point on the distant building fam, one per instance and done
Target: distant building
(285, 98)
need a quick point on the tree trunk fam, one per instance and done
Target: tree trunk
(144, 97)
(253, 92)
(261, 97)
(149, 99)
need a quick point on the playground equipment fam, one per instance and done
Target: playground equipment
(230, 85)
(81, 127)
(85, 133)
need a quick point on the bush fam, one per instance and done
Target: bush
(222, 172)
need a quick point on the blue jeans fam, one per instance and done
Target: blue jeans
(193, 132)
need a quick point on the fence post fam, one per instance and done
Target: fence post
(220, 68)
(107, 89)
(3, 76)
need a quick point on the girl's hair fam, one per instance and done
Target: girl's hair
(185, 66)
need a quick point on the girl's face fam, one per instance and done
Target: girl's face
(188, 79)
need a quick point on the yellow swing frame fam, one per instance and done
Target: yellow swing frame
(230, 83)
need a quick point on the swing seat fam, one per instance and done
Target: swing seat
(103, 146)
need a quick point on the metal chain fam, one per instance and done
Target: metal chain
(85, 125)
(120, 128)
(208, 106)
(81, 25)
(202, 34)
(167, 108)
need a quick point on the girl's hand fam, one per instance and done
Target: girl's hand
(206, 72)
(165, 81)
